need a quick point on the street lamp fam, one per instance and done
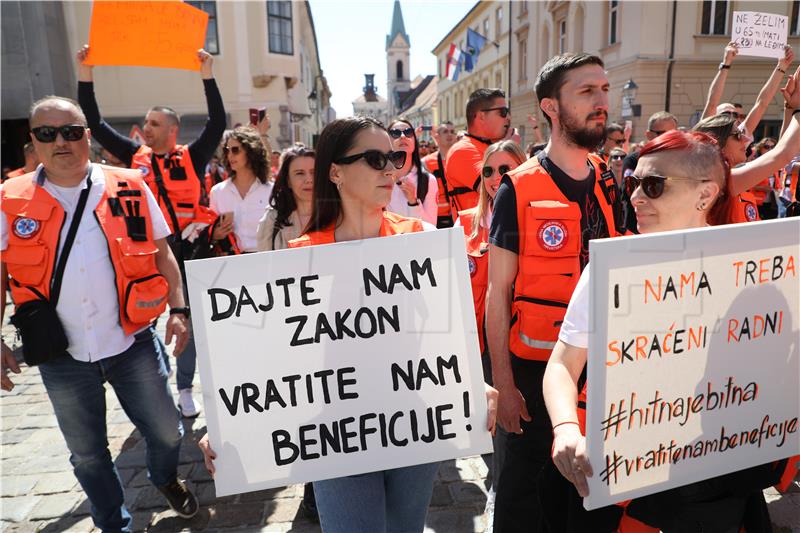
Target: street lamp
(629, 109)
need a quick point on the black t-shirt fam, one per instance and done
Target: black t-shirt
(504, 230)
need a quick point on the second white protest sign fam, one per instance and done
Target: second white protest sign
(339, 359)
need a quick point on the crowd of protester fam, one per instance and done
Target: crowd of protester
(233, 192)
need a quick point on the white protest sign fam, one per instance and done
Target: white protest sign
(760, 34)
(335, 360)
(693, 364)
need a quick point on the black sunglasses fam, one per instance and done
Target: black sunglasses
(488, 171)
(396, 133)
(653, 185)
(232, 149)
(48, 134)
(504, 111)
(376, 159)
(617, 157)
(657, 133)
(618, 142)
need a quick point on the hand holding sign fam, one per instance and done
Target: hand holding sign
(147, 34)
(731, 51)
(786, 61)
(760, 34)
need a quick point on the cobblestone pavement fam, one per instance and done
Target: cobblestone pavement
(38, 491)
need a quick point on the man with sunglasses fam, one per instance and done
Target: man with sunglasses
(545, 213)
(616, 137)
(445, 137)
(86, 246)
(488, 121)
(174, 173)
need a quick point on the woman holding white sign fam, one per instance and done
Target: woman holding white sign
(680, 179)
(354, 174)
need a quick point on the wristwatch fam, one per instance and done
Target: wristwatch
(180, 311)
(723, 66)
(415, 204)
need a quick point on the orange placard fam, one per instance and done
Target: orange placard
(147, 34)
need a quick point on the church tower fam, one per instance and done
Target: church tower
(398, 47)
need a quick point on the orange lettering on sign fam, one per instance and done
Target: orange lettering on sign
(146, 34)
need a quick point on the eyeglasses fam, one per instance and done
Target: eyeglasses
(488, 171)
(232, 149)
(653, 185)
(504, 111)
(618, 142)
(657, 133)
(48, 134)
(617, 157)
(376, 159)
(742, 136)
(397, 133)
(769, 146)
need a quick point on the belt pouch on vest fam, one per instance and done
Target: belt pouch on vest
(43, 335)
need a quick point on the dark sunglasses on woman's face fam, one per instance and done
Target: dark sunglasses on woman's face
(48, 134)
(376, 159)
(488, 171)
(397, 133)
(232, 149)
(653, 185)
(617, 157)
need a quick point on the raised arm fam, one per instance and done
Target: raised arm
(767, 92)
(791, 100)
(718, 84)
(206, 144)
(119, 145)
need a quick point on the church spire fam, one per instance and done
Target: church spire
(398, 27)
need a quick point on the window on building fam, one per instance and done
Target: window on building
(523, 8)
(399, 70)
(562, 36)
(715, 17)
(279, 19)
(486, 27)
(523, 60)
(794, 23)
(212, 38)
(498, 80)
(498, 23)
(613, 21)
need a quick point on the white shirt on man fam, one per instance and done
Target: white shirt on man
(88, 305)
(247, 211)
(575, 327)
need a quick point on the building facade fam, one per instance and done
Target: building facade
(265, 56)
(370, 103)
(490, 19)
(669, 50)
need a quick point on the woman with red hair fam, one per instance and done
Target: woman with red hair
(681, 182)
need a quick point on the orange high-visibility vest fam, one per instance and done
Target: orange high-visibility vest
(744, 209)
(442, 202)
(549, 256)
(463, 172)
(35, 219)
(478, 257)
(180, 181)
(392, 224)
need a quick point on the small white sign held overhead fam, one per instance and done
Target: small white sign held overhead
(694, 356)
(336, 360)
(760, 34)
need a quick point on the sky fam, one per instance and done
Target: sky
(351, 37)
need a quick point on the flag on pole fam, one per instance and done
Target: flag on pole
(468, 60)
(458, 67)
(475, 42)
(453, 61)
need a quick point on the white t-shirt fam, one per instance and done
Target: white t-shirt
(575, 328)
(247, 211)
(427, 209)
(88, 306)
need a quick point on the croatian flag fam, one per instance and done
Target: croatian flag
(453, 62)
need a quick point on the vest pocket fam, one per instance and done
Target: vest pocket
(27, 264)
(146, 298)
(138, 257)
(535, 331)
(552, 231)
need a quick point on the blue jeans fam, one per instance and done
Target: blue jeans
(389, 501)
(77, 392)
(186, 362)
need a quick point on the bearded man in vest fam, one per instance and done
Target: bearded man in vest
(545, 213)
(174, 173)
(108, 273)
(488, 121)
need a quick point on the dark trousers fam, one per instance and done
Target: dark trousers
(517, 507)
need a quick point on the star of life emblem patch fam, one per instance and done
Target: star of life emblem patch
(552, 235)
(750, 212)
(473, 266)
(25, 228)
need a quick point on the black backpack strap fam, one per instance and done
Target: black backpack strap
(422, 184)
(442, 176)
(58, 275)
(162, 194)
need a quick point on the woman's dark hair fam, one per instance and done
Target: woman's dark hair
(254, 149)
(282, 197)
(720, 127)
(416, 160)
(334, 142)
